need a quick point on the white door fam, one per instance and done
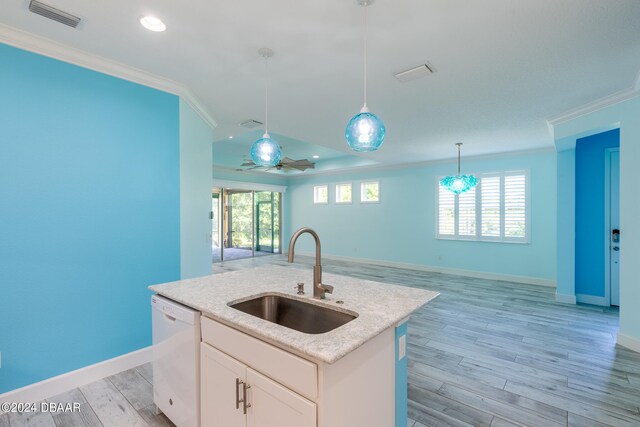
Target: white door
(273, 405)
(220, 393)
(615, 228)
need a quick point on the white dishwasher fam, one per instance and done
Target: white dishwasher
(176, 361)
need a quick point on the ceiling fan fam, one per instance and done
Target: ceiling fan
(285, 164)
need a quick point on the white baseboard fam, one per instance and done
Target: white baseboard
(590, 299)
(565, 299)
(70, 380)
(629, 342)
(444, 270)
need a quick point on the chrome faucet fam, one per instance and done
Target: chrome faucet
(319, 289)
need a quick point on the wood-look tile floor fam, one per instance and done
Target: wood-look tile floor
(121, 400)
(485, 353)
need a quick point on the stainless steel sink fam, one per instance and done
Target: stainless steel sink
(295, 314)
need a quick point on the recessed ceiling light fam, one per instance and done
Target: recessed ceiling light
(230, 136)
(152, 23)
(315, 156)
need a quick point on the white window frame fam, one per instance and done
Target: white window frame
(337, 193)
(362, 192)
(350, 184)
(315, 202)
(478, 237)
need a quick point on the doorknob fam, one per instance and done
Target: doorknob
(615, 235)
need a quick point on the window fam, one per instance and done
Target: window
(497, 209)
(370, 192)
(343, 193)
(321, 194)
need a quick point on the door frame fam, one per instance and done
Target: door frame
(226, 214)
(607, 224)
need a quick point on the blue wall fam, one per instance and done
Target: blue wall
(401, 378)
(623, 115)
(401, 228)
(566, 222)
(89, 207)
(195, 194)
(589, 222)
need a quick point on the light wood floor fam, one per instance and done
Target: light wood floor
(121, 400)
(485, 353)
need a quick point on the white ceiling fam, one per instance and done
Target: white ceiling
(503, 66)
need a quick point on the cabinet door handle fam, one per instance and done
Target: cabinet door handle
(245, 405)
(238, 393)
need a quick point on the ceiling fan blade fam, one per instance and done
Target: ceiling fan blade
(304, 162)
(288, 160)
(301, 168)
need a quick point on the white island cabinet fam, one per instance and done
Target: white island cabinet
(248, 382)
(260, 374)
(226, 400)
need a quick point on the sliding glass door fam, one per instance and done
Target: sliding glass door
(248, 223)
(267, 210)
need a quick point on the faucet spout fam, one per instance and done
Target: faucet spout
(318, 288)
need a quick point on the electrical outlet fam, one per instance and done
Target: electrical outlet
(402, 347)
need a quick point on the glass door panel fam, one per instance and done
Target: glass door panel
(240, 225)
(246, 223)
(264, 222)
(216, 235)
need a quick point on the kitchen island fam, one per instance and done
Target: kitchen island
(258, 373)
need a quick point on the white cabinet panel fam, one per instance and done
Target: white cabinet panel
(218, 389)
(273, 405)
(294, 372)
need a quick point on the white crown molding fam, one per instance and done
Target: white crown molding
(598, 104)
(400, 166)
(43, 46)
(242, 185)
(193, 102)
(257, 173)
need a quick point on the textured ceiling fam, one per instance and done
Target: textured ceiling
(502, 66)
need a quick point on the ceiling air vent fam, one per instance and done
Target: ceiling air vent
(251, 123)
(414, 73)
(53, 13)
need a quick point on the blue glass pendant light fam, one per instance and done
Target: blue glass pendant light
(459, 183)
(265, 151)
(365, 131)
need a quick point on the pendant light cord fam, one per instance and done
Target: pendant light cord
(266, 95)
(459, 144)
(365, 56)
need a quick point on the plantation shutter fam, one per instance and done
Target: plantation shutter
(515, 214)
(446, 212)
(490, 205)
(467, 213)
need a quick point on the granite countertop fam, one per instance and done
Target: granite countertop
(378, 305)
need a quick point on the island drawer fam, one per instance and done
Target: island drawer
(288, 369)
